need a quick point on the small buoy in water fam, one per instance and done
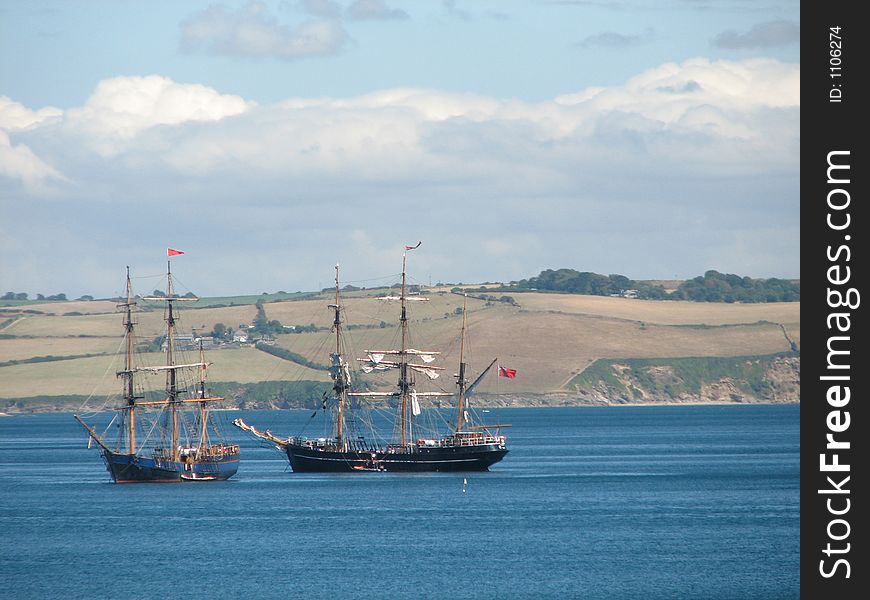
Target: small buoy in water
(464, 483)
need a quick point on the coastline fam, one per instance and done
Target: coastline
(526, 401)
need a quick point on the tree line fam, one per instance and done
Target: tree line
(26, 296)
(713, 286)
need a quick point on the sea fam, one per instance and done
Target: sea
(640, 502)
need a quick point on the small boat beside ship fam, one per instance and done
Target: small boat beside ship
(467, 446)
(174, 437)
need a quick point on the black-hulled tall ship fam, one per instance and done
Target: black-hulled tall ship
(466, 447)
(171, 439)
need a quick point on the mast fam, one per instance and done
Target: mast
(338, 368)
(404, 382)
(376, 361)
(127, 374)
(172, 369)
(460, 378)
(171, 383)
(203, 430)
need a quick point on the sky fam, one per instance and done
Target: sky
(270, 140)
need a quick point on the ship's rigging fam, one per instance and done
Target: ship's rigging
(161, 452)
(465, 447)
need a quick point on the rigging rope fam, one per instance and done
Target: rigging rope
(109, 367)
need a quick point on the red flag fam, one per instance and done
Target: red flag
(505, 372)
(413, 247)
(173, 252)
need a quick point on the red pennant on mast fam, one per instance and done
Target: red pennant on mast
(505, 372)
(413, 247)
(173, 252)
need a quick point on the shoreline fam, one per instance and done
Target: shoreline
(69, 410)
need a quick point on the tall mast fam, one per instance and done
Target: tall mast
(171, 384)
(404, 382)
(129, 394)
(460, 378)
(171, 368)
(407, 380)
(341, 384)
(203, 430)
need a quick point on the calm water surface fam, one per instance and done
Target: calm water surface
(616, 503)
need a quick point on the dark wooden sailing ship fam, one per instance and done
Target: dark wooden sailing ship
(467, 447)
(165, 450)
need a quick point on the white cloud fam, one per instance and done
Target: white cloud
(405, 129)
(712, 113)
(14, 116)
(19, 163)
(123, 107)
(665, 92)
(692, 111)
(708, 113)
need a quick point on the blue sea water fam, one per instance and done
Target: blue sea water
(691, 502)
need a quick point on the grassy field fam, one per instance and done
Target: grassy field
(59, 308)
(95, 306)
(252, 299)
(96, 375)
(662, 312)
(149, 322)
(548, 338)
(27, 348)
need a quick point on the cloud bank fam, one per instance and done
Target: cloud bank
(684, 167)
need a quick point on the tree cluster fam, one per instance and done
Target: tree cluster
(727, 287)
(162, 294)
(263, 325)
(575, 282)
(711, 287)
(24, 296)
(266, 327)
(222, 332)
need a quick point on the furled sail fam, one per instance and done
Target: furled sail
(408, 297)
(429, 372)
(339, 366)
(371, 364)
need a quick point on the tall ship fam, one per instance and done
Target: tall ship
(466, 446)
(175, 437)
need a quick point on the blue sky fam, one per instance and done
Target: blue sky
(272, 139)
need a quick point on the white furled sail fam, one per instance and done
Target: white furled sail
(403, 298)
(429, 372)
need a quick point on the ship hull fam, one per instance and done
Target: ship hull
(130, 468)
(304, 459)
